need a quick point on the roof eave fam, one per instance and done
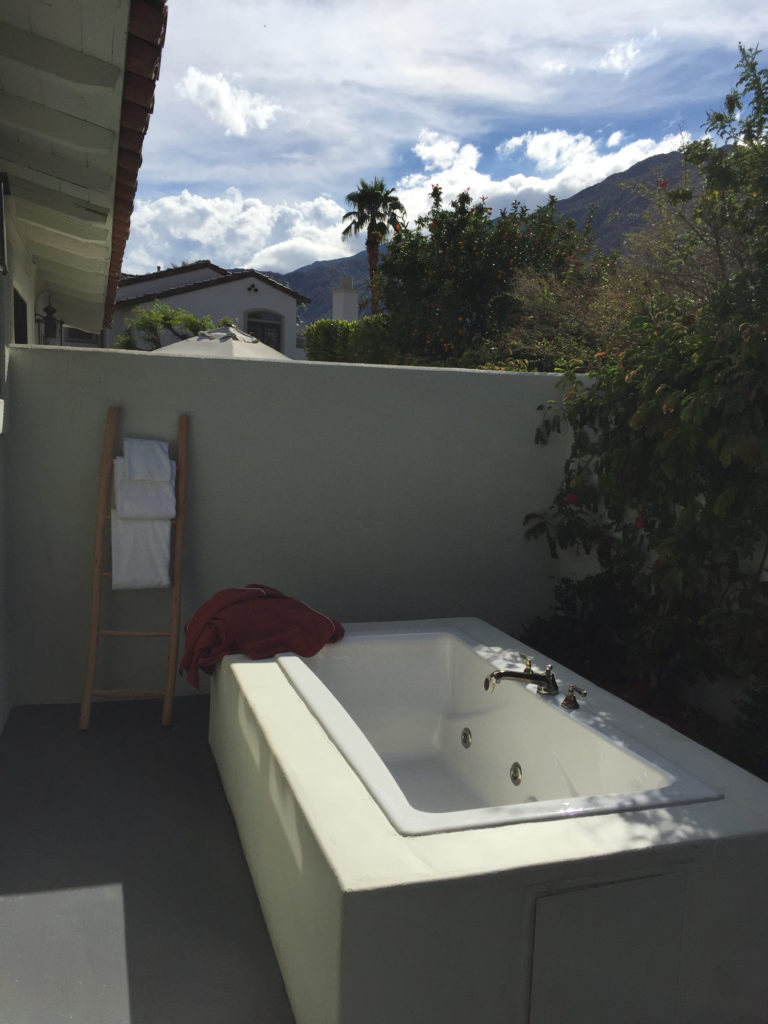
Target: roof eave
(146, 37)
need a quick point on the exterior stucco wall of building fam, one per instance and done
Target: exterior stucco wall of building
(20, 278)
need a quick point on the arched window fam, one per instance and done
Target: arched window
(265, 326)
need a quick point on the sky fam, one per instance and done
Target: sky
(267, 114)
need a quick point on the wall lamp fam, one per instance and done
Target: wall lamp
(49, 326)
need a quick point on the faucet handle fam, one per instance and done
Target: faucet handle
(569, 702)
(528, 670)
(547, 682)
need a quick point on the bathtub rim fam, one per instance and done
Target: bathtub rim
(366, 851)
(684, 788)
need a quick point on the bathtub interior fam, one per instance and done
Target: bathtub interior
(410, 713)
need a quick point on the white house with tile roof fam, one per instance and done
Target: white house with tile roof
(258, 305)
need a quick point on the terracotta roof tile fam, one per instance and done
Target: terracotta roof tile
(227, 278)
(146, 35)
(170, 271)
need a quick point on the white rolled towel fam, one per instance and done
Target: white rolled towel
(144, 499)
(147, 460)
(141, 553)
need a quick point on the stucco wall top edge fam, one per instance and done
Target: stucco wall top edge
(44, 351)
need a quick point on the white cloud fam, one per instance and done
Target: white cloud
(621, 58)
(508, 147)
(438, 152)
(554, 67)
(233, 231)
(235, 109)
(567, 163)
(551, 150)
(441, 153)
(625, 57)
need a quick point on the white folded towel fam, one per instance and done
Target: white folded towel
(144, 499)
(141, 553)
(147, 460)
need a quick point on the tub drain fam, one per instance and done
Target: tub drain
(516, 773)
(466, 738)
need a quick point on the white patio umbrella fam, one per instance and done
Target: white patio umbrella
(222, 343)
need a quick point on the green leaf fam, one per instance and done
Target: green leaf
(724, 501)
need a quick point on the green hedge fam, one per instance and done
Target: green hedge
(351, 341)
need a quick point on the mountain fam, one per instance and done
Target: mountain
(619, 207)
(317, 281)
(618, 210)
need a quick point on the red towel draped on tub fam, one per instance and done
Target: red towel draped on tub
(257, 621)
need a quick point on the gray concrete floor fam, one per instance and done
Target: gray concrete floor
(124, 894)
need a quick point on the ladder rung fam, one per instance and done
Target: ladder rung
(129, 694)
(129, 632)
(108, 576)
(108, 516)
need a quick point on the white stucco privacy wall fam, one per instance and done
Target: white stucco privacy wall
(371, 493)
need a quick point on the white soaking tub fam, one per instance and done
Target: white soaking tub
(405, 877)
(439, 752)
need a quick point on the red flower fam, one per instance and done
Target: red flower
(640, 523)
(572, 499)
(662, 182)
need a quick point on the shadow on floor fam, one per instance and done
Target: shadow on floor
(125, 829)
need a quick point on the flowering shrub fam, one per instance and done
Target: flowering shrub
(666, 484)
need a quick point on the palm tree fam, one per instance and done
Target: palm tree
(375, 211)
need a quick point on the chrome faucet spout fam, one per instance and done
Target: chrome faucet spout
(547, 684)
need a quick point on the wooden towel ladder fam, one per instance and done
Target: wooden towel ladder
(102, 514)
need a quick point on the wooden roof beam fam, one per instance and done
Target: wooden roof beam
(41, 236)
(84, 282)
(53, 58)
(59, 202)
(18, 156)
(15, 111)
(28, 212)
